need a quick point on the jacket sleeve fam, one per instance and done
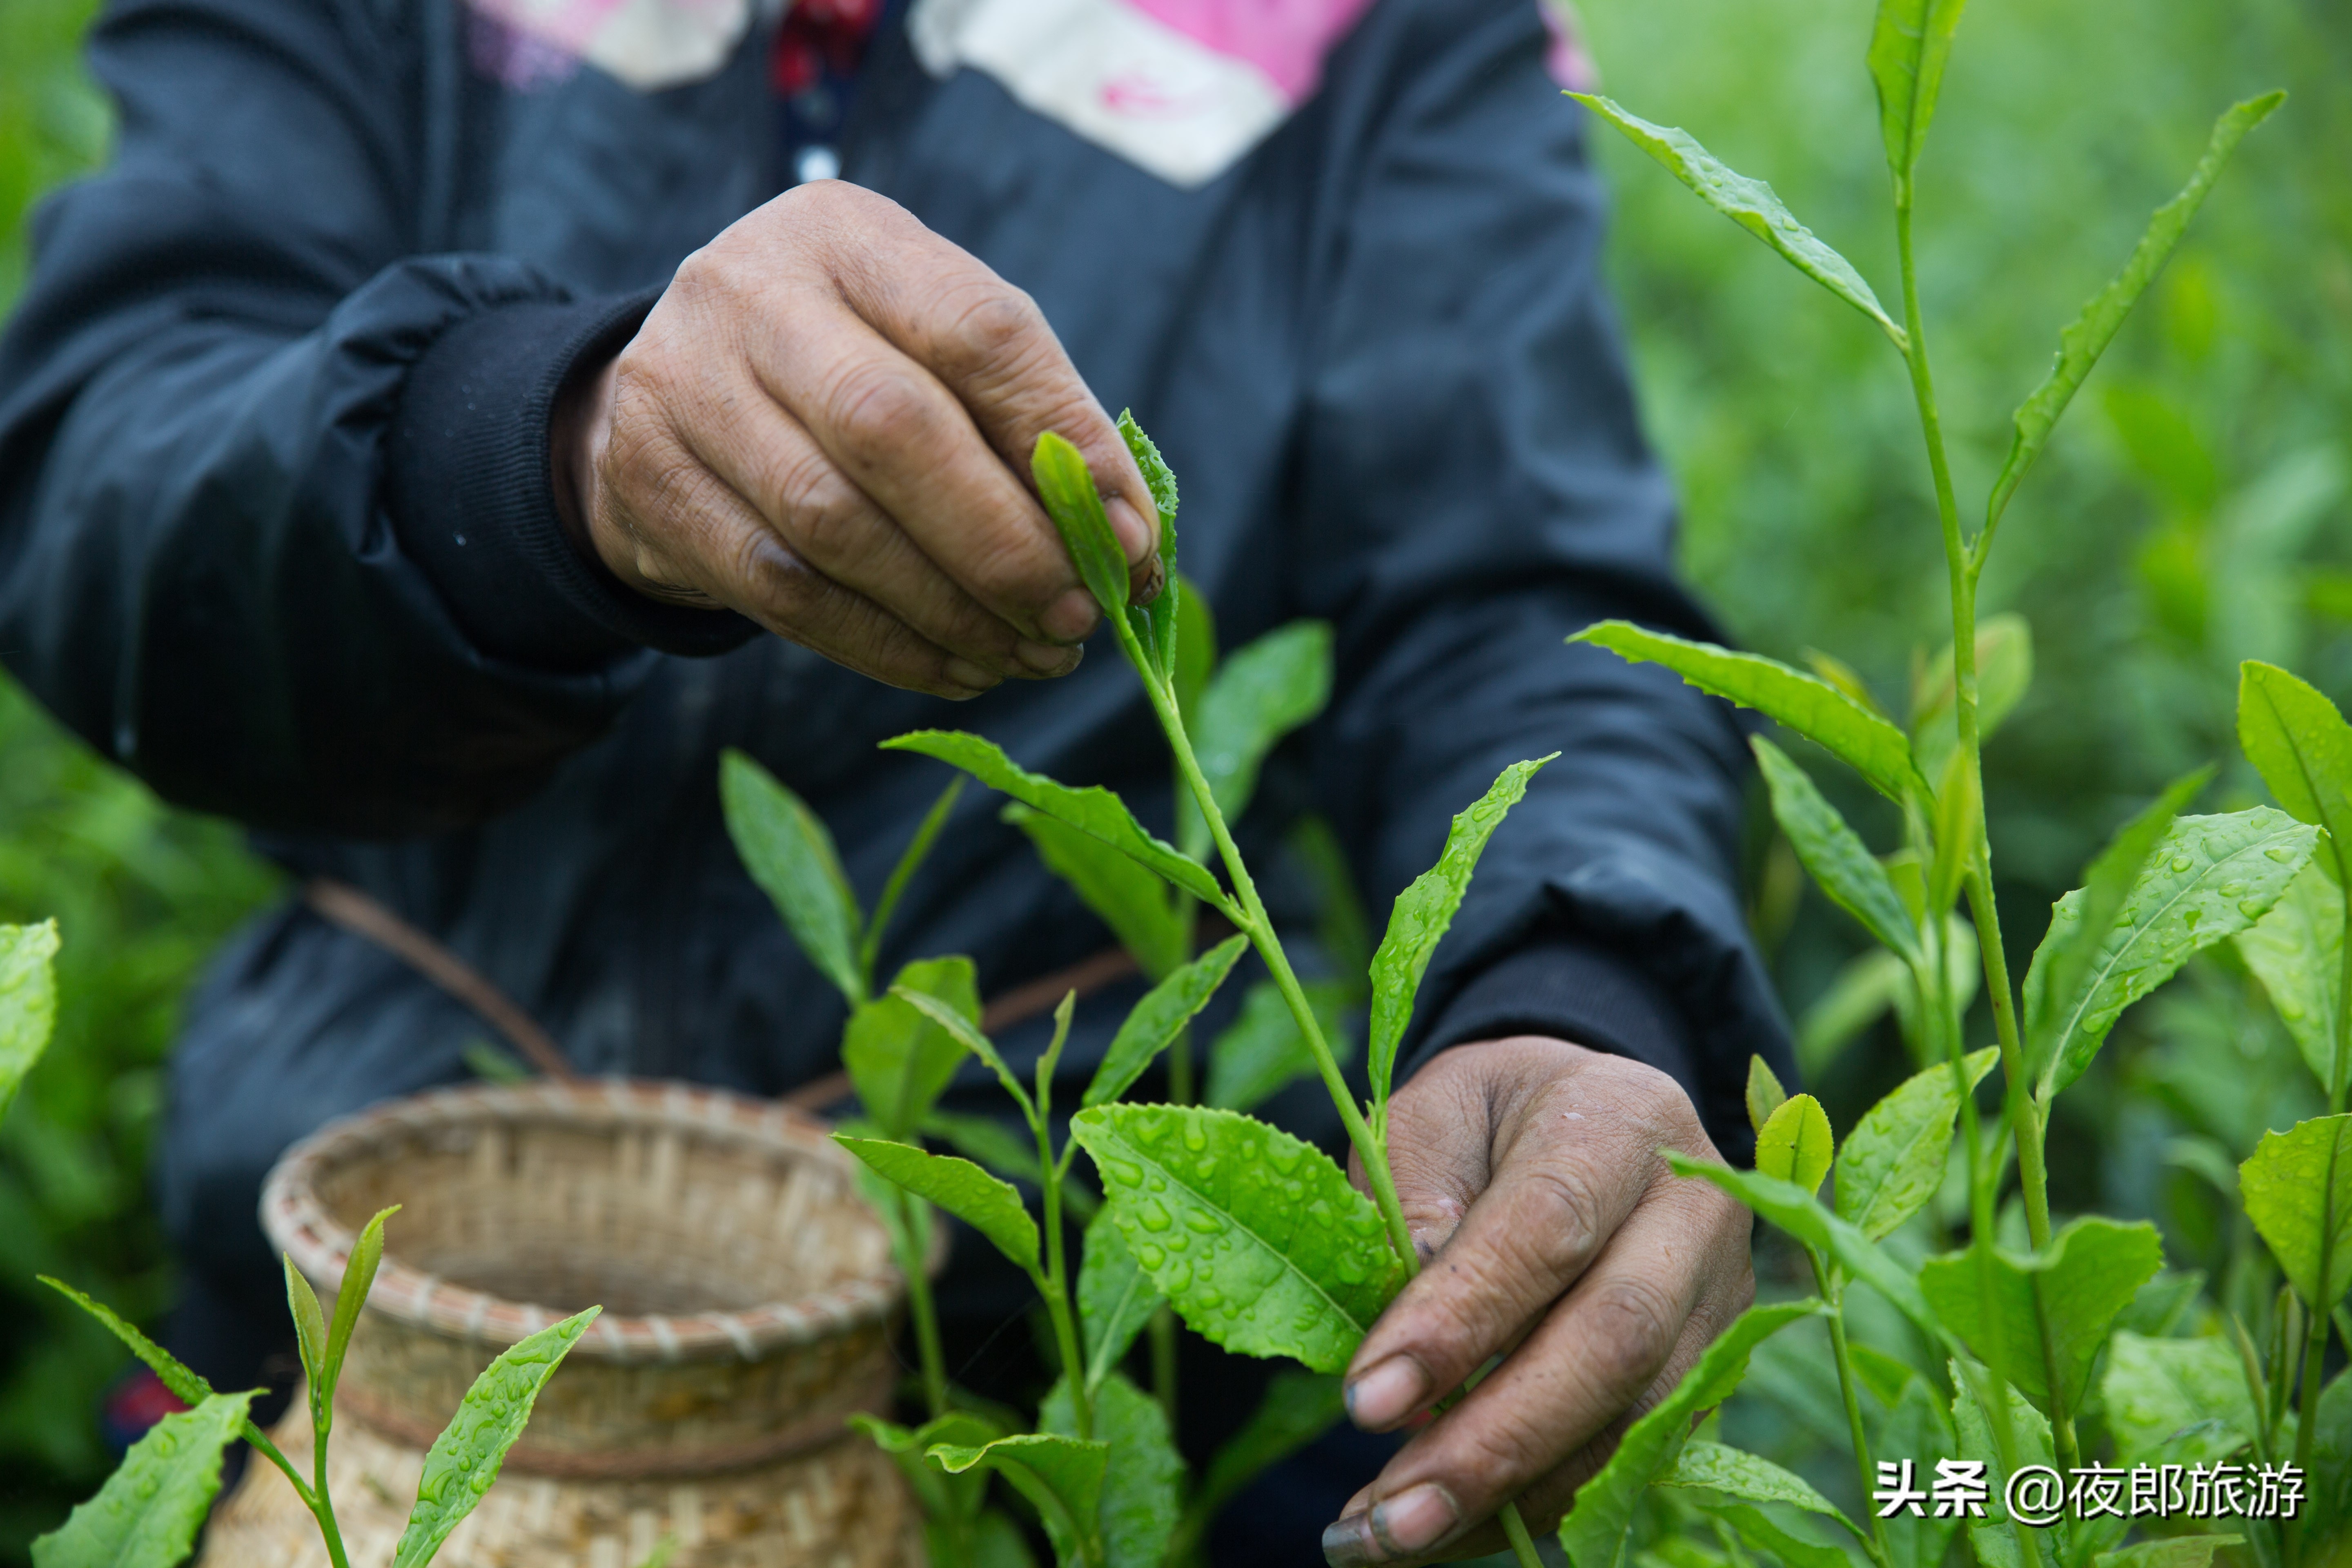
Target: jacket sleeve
(1473, 489)
(275, 526)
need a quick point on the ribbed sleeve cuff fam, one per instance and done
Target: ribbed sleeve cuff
(1571, 990)
(472, 500)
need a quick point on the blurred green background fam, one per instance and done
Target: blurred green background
(2190, 514)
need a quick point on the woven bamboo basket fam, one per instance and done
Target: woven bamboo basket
(748, 1294)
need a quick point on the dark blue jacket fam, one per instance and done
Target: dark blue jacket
(276, 536)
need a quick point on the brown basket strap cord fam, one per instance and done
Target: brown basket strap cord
(345, 906)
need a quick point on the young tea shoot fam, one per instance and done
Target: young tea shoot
(147, 1514)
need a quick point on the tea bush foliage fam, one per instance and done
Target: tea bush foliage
(2180, 525)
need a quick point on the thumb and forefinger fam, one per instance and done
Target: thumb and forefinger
(991, 348)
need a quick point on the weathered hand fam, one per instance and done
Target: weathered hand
(826, 424)
(1551, 1233)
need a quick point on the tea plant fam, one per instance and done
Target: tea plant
(2006, 1338)
(1256, 1239)
(148, 1512)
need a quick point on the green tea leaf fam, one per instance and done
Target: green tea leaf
(1738, 1473)
(1751, 205)
(1159, 625)
(2004, 673)
(911, 860)
(965, 1031)
(2081, 344)
(1797, 1212)
(147, 1513)
(1765, 1534)
(2071, 943)
(28, 1001)
(1835, 855)
(1794, 1144)
(1141, 1475)
(184, 1384)
(1892, 1161)
(1595, 1531)
(1261, 1052)
(789, 852)
(1159, 1018)
(1993, 1535)
(359, 1277)
(1859, 995)
(1263, 692)
(1061, 1477)
(2301, 745)
(989, 1207)
(1916, 1425)
(2327, 1491)
(1196, 655)
(1886, 1376)
(1765, 1094)
(309, 1331)
(2054, 1309)
(1419, 919)
(1093, 810)
(2295, 951)
(997, 1147)
(1789, 697)
(1116, 1297)
(907, 1445)
(899, 1060)
(1909, 44)
(2157, 1390)
(1958, 833)
(2298, 1189)
(1297, 1408)
(464, 1460)
(1845, 677)
(1258, 1239)
(2206, 878)
(1068, 490)
(1132, 901)
(2174, 1551)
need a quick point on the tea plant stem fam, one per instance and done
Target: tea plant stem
(1260, 929)
(1833, 1291)
(2024, 1112)
(1055, 1284)
(1523, 1546)
(1371, 1150)
(323, 1504)
(921, 1305)
(2315, 1356)
(1960, 569)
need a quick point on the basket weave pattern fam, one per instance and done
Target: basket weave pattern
(748, 1292)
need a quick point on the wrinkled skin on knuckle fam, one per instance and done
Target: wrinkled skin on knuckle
(1633, 1323)
(826, 518)
(992, 333)
(876, 414)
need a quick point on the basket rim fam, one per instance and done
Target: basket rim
(298, 1222)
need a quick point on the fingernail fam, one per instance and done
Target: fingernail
(1071, 616)
(1414, 1520)
(1404, 1526)
(963, 672)
(1043, 659)
(1154, 578)
(1385, 1395)
(1349, 1541)
(1134, 537)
